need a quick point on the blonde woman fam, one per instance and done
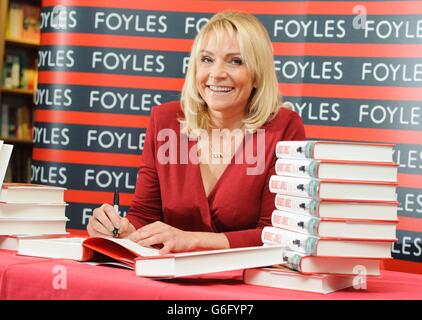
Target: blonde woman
(207, 160)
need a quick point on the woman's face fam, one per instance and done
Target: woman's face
(222, 78)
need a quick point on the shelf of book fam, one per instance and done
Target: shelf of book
(19, 42)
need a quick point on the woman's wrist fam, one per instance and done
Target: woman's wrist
(209, 241)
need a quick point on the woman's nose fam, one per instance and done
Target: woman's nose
(218, 70)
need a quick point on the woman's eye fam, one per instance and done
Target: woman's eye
(206, 59)
(237, 61)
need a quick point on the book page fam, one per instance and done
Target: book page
(136, 248)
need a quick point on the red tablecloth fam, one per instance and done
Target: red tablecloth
(36, 278)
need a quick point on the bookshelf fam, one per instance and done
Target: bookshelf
(19, 44)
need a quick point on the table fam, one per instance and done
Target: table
(34, 278)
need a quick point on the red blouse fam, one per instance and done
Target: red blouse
(239, 205)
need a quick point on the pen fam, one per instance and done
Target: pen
(116, 207)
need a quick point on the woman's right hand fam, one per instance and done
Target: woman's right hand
(103, 221)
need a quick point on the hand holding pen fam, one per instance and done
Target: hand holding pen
(116, 209)
(106, 221)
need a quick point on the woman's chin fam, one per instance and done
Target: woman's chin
(220, 107)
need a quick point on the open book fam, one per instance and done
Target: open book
(86, 249)
(147, 261)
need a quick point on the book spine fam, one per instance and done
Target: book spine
(292, 259)
(307, 188)
(294, 149)
(5, 120)
(291, 240)
(305, 206)
(295, 222)
(297, 168)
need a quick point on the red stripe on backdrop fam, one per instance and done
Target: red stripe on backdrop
(348, 50)
(402, 266)
(410, 224)
(91, 118)
(287, 89)
(110, 80)
(100, 197)
(410, 181)
(256, 7)
(85, 157)
(363, 134)
(116, 41)
(351, 91)
(280, 48)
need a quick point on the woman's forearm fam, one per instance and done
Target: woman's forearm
(210, 241)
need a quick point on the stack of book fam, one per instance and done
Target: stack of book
(30, 211)
(27, 211)
(335, 213)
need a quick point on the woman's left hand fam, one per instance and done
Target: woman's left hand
(172, 239)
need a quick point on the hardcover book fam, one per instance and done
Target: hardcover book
(31, 193)
(307, 264)
(340, 170)
(334, 228)
(201, 262)
(12, 242)
(333, 150)
(32, 226)
(338, 209)
(327, 247)
(293, 280)
(32, 210)
(333, 189)
(147, 261)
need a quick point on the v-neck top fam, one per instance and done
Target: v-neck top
(169, 186)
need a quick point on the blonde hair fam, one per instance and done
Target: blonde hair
(257, 54)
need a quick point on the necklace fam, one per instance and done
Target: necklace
(227, 145)
(217, 155)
